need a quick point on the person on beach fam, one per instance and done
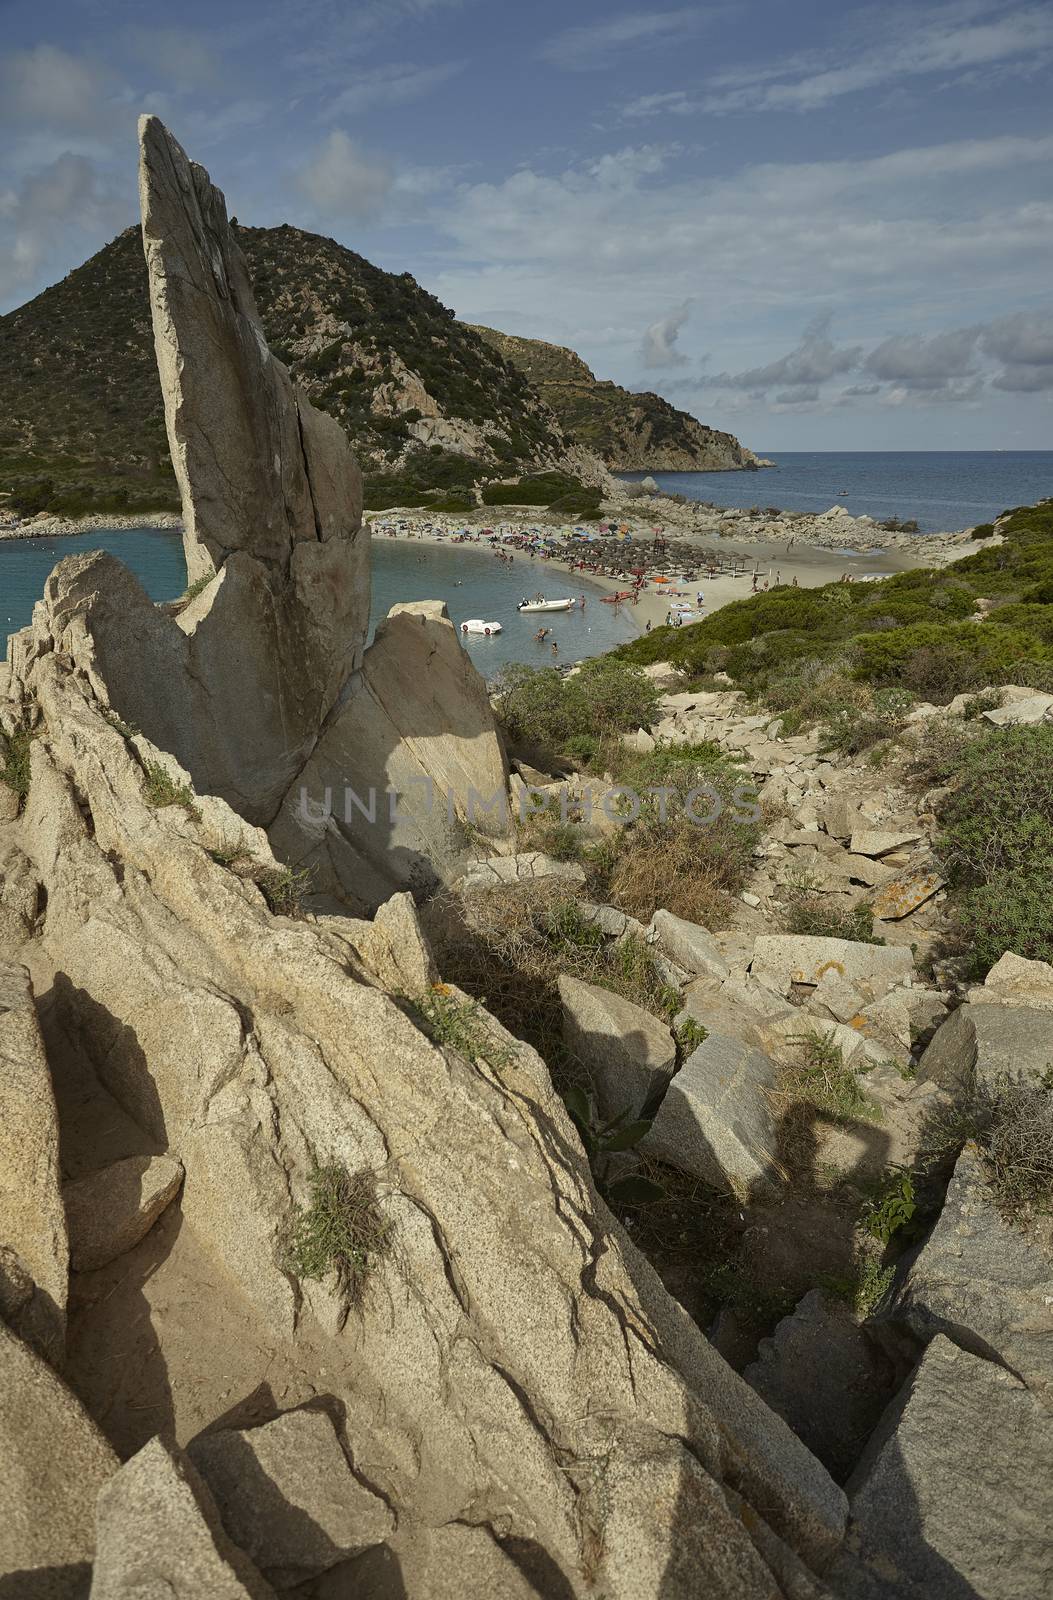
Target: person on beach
(647, 627)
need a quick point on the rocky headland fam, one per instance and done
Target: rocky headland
(318, 1276)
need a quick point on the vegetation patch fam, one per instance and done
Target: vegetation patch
(823, 1080)
(15, 762)
(161, 789)
(341, 1230)
(285, 889)
(995, 844)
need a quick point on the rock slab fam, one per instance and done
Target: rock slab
(716, 1120)
(33, 1218)
(288, 1498)
(951, 1499)
(110, 1210)
(628, 1052)
(53, 1463)
(158, 1533)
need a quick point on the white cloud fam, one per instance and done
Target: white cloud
(892, 46)
(53, 88)
(674, 103)
(67, 204)
(390, 85)
(592, 46)
(658, 348)
(925, 363)
(343, 181)
(814, 359)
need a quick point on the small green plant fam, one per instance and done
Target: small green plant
(341, 1230)
(689, 1034)
(809, 912)
(228, 855)
(14, 761)
(161, 789)
(892, 1208)
(634, 966)
(823, 1080)
(127, 730)
(864, 1288)
(198, 586)
(285, 888)
(604, 1139)
(462, 1025)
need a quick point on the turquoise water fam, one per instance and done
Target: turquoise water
(471, 581)
(942, 490)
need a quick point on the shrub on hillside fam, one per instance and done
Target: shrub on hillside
(606, 696)
(996, 844)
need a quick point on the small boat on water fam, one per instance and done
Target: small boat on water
(545, 605)
(476, 625)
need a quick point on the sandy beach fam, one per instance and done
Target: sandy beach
(812, 566)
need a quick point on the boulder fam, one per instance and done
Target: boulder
(826, 1378)
(628, 1052)
(1014, 981)
(716, 1120)
(158, 1532)
(689, 945)
(902, 896)
(984, 1282)
(288, 1498)
(781, 960)
(988, 1043)
(875, 842)
(951, 1498)
(413, 756)
(34, 1221)
(109, 1211)
(53, 1462)
(1022, 713)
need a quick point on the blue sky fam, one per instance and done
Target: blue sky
(821, 225)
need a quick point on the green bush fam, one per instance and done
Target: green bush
(606, 696)
(996, 844)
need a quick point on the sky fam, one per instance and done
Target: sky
(822, 226)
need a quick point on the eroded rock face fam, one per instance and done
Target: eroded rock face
(34, 1262)
(515, 1362)
(239, 685)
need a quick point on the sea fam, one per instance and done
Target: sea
(472, 581)
(942, 490)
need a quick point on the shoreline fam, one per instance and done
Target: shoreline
(722, 550)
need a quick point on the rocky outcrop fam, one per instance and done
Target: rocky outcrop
(34, 1258)
(530, 1334)
(53, 1463)
(951, 1499)
(630, 431)
(159, 1533)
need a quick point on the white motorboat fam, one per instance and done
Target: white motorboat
(475, 625)
(545, 605)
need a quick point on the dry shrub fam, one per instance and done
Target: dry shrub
(676, 869)
(508, 949)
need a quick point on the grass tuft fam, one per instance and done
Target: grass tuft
(823, 1080)
(160, 789)
(341, 1230)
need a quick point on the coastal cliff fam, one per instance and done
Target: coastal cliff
(629, 432)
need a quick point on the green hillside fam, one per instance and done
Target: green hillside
(425, 400)
(629, 432)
